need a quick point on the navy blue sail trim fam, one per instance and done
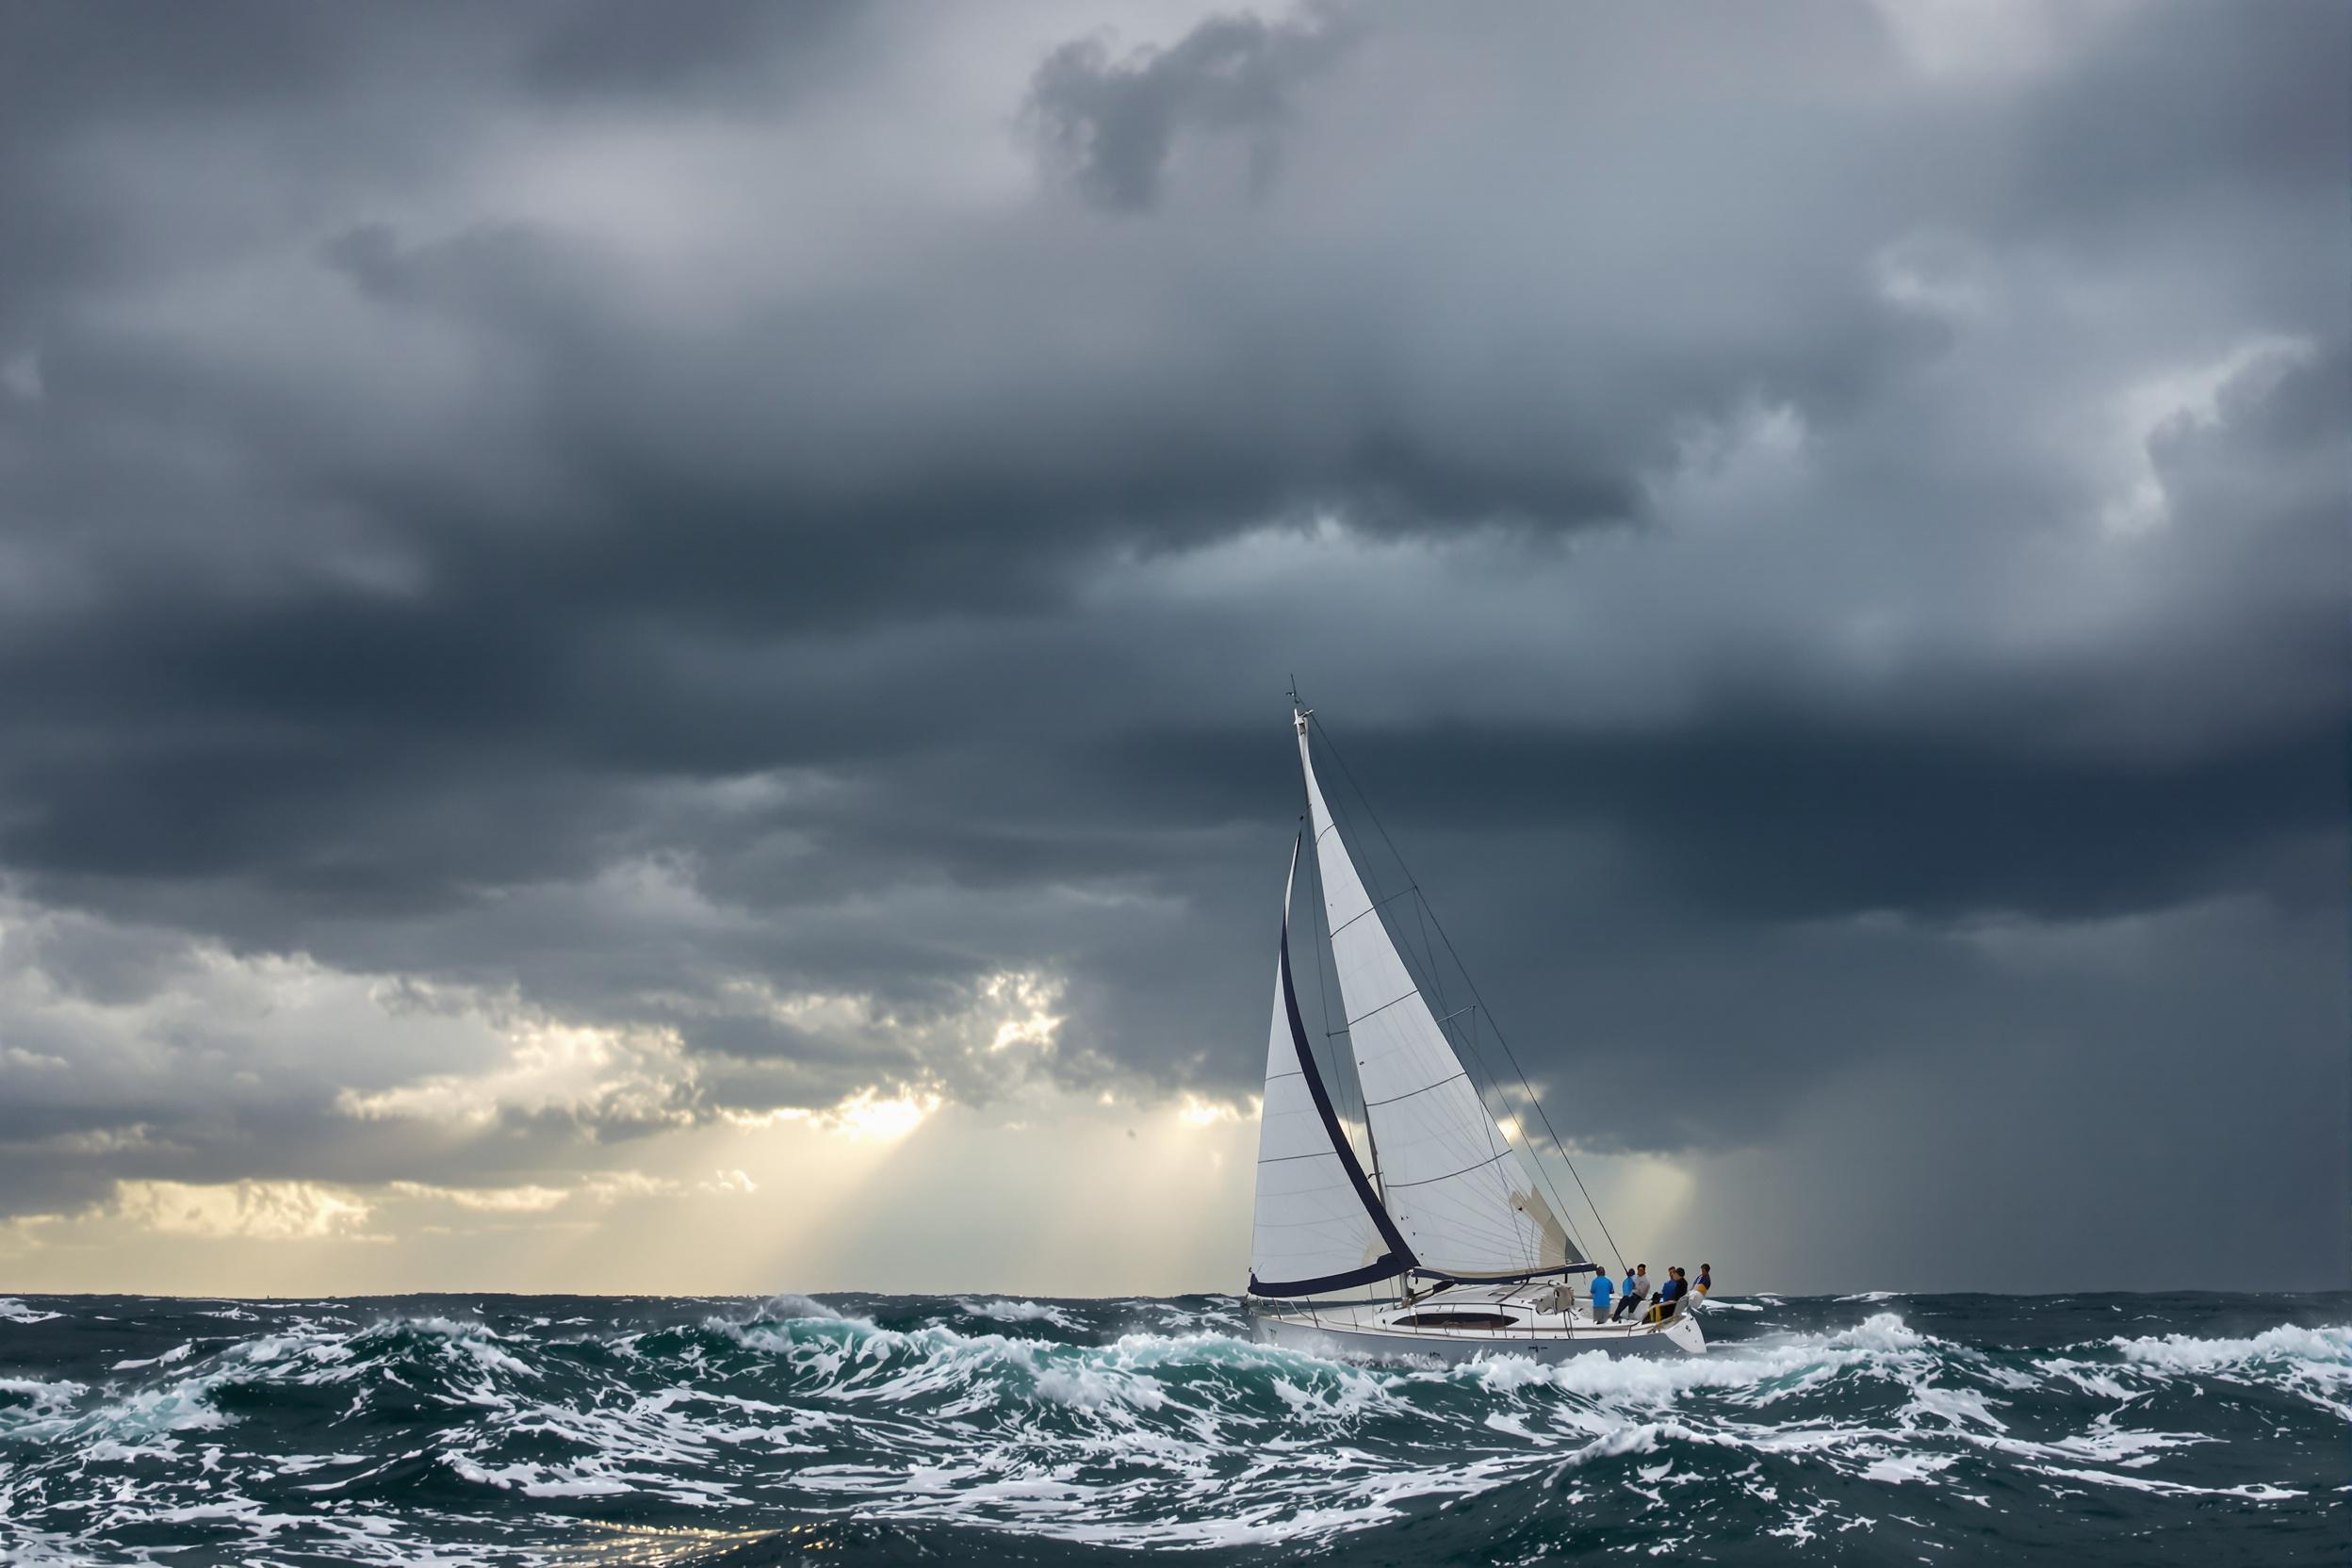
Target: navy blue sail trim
(1399, 1257)
(1387, 1268)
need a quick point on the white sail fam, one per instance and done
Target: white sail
(1448, 1177)
(1318, 1224)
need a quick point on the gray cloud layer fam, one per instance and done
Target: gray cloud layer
(1822, 536)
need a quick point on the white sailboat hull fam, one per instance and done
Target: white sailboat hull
(1376, 1331)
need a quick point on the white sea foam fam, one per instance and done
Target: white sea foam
(1160, 1439)
(14, 1310)
(1020, 1312)
(32, 1400)
(138, 1421)
(2253, 1493)
(2325, 1350)
(1612, 1396)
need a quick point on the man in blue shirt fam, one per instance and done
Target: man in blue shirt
(1603, 1288)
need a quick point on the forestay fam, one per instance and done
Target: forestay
(1450, 1178)
(1320, 1225)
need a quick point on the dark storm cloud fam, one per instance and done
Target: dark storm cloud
(601, 48)
(603, 518)
(2158, 113)
(1116, 122)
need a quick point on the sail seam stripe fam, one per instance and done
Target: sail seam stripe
(1423, 1089)
(1451, 1174)
(1310, 1154)
(1383, 1007)
(1368, 909)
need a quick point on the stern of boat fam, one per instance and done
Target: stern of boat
(1684, 1335)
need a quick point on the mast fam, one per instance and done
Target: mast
(1299, 715)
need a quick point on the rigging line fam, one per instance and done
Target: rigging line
(1420, 971)
(1560, 1204)
(1543, 1171)
(1492, 1130)
(1428, 953)
(1430, 981)
(1420, 966)
(1425, 912)
(1366, 874)
(1378, 826)
(1489, 1130)
(1501, 1039)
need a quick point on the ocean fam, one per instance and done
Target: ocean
(505, 1430)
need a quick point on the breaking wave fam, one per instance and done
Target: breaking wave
(562, 1430)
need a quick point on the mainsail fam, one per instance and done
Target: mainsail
(1448, 1178)
(1319, 1224)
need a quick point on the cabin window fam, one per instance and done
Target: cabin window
(1455, 1320)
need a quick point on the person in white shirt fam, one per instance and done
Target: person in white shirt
(1637, 1286)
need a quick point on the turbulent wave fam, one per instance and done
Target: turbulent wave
(889, 1428)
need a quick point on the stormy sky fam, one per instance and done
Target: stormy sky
(645, 648)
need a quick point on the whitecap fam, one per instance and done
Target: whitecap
(2328, 1348)
(1020, 1312)
(2256, 1492)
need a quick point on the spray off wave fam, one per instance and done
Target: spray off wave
(563, 1429)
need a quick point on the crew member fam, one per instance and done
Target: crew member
(1637, 1285)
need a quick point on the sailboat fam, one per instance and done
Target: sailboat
(1457, 1250)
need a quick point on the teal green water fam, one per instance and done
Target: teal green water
(460, 1429)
